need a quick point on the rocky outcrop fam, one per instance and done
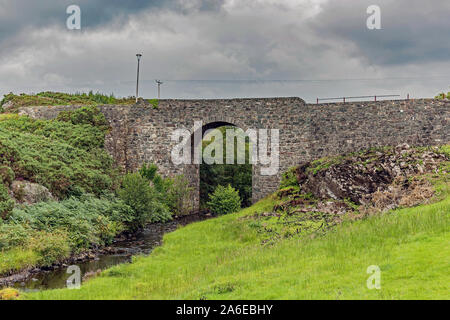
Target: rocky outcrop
(359, 175)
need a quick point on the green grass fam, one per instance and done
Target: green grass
(154, 103)
(223, 258)
(17, 259)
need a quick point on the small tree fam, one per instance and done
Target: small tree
(179, 196)
(143, 199)
(224, 200)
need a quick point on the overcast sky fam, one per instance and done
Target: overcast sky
(227, 48)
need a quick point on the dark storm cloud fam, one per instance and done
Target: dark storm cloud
(226, 40)
(413, 31)
(19, 15)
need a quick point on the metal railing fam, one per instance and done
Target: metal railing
(345, 99)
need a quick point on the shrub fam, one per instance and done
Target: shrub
(87, 220)
(58, 98)
(443, 95)
(179, 196)
(150, 172)
(65, 158)
(9, 294)
(85, 115)
(289, 179)
(143, 199)
(6, 203)
(224, 200)
(174, 193)
(13, 235)
(7, 175)
(50, 247)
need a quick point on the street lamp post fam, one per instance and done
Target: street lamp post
(137, 81)
(159, 82)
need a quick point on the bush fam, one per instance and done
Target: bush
(84, 115)
(50, 247)
(150, 172)
(65, 158)
(6, 203)
(143, 199)
(224, 200)
(58, 98)
(88, 221)
(13, 235)
(289, 179)
(174, 193)
(9, 294)
(7, 175)
(179, 196)
(443, 95)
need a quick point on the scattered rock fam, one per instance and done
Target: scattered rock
(357, 176)
(92, 274)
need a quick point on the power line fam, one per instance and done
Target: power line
(305, 80)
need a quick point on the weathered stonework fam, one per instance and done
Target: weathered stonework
(142, 134)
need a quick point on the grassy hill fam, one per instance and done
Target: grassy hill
(230, 258)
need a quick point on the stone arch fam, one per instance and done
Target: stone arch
(192, 171)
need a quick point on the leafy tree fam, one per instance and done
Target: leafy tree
(224, 200)
(144, 200)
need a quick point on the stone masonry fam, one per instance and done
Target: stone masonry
(141, 134)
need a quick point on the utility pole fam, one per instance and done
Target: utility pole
(137, 81)
(159, 82)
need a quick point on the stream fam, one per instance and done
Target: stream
(121, 251)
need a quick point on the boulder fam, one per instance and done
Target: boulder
(29, 192)
(8, 106)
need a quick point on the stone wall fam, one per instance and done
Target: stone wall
(141, 133)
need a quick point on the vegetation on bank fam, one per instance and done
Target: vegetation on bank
(229, 257)
(89, 202)
(58, 98)
(443, 95)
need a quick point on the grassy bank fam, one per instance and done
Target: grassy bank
(61, 193)
(223, 259)
(16, 101)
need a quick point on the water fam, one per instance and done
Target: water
(141, 243)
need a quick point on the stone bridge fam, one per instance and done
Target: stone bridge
(142, 134)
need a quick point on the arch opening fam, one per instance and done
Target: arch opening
(239, 175)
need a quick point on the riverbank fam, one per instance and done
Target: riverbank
(93, 261)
